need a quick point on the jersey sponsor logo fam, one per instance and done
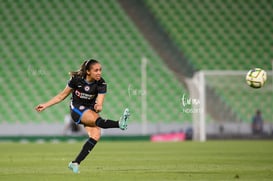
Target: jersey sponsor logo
(84, 95)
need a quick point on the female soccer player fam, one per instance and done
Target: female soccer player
(88, 90)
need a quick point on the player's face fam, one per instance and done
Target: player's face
(94, 72)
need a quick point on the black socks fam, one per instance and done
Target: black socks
(105, 123)
(86, 149)
(90, 143)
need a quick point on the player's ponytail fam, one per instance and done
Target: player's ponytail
(86, 65)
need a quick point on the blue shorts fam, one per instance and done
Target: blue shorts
(77, 111)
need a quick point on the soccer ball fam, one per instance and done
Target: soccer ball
(256, 77)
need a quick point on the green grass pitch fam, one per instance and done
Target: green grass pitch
(141, 161)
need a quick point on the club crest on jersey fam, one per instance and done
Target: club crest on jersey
(86, 88)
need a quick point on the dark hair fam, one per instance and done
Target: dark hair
(86, 65)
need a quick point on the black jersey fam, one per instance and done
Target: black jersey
(85, 93)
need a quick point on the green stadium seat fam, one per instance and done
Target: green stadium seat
(221, 35)
(42, 49)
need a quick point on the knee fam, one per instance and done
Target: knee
(95, 134)
(96, 137)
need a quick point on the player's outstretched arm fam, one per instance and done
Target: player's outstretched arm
(55, 100)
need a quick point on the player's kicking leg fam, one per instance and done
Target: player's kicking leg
(123, 119)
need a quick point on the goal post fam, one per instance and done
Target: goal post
(144, 62)
(225, 99)
(196, 86)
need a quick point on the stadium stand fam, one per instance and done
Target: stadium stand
(219, 34)
(224, 35)
(41, 41)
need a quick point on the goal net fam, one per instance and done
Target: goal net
(225, 104)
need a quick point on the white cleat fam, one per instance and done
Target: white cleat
(123, 119)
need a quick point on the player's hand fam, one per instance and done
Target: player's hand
(40, 107)
(98, 108)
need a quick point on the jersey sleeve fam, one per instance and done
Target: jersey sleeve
(72, 83)
(102, 87)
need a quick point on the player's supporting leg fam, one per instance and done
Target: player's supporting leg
(74, 167)
(94, 133)
(94, 136)
(86, 149)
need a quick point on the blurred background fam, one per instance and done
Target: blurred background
(151, 52)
